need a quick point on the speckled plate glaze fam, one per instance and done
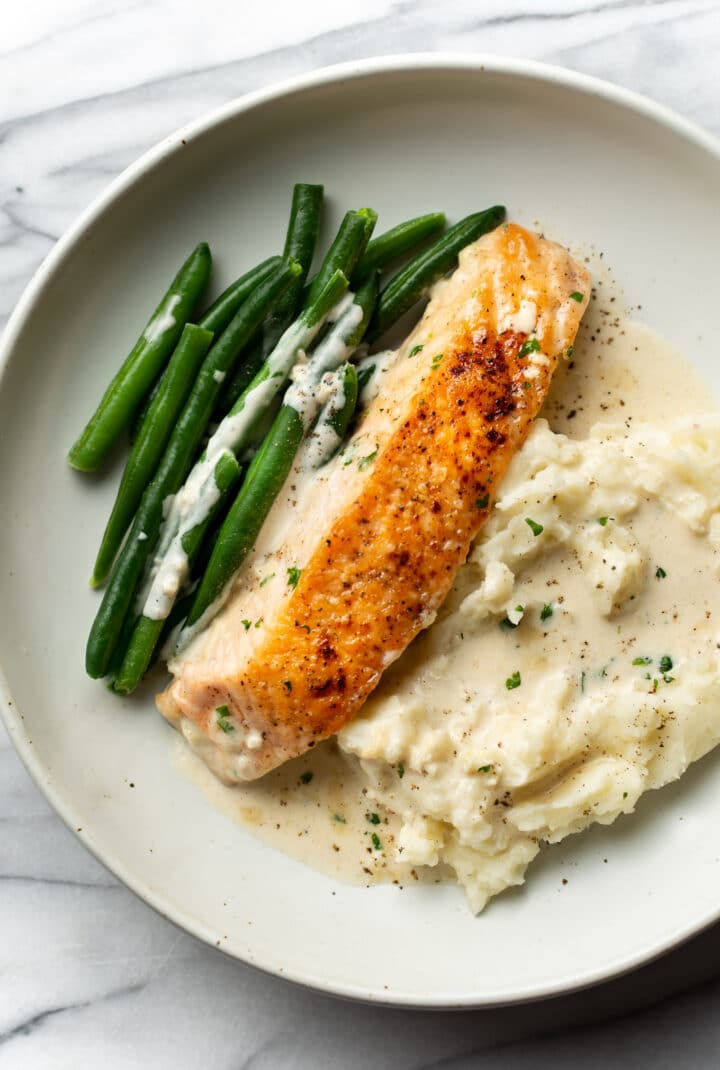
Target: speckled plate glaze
(598, 166)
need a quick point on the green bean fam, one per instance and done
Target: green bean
(174, 467)
(147, 632)
(413, 281)
(394, 243)
(300, 242)
(304, 225)
(141, 368)
(224, 307)
(274, 459)
(151, 440)
(348, 246)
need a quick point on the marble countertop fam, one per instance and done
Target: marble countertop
(88, 974)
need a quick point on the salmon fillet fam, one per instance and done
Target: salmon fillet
(349, 569)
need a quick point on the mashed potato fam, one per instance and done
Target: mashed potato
(575, 665)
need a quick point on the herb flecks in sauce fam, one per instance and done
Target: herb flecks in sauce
(365, 461)
(222, 713)
(532, 345)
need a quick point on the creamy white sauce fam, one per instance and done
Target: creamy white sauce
(378, 364)
(598, 578)
(327, 822)
(324, 441)
(523, 319)
(309, 390)
(163, 320)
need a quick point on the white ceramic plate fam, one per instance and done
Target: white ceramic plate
(598, 166)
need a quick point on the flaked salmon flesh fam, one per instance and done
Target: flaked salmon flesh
(351, 566)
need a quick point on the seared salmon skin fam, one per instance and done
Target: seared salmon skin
(354, 562)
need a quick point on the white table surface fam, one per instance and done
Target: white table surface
(90, 976)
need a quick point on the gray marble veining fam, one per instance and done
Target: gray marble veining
(88, 974)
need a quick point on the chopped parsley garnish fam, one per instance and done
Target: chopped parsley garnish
(482, 503)
(576, 296)
(531, 345)
(340, 819)
(668, 679)
(486, 769)
(293, 576)
(537, 529)
(660, 573)
(376, 841)
(415, 350)
(267, 579)
(365, 461)
(258, 622)
(513, 681)
(287, 684)
(246, 625)
(570, 350)
(400, 770)
(222, 713)
(642, 661)
(306, 777)
(602, 520)
(546, 612)
(436, 359)
(666, 663)
(374, 819)
(625, 794)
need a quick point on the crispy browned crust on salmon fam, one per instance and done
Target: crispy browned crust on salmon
(379, 571)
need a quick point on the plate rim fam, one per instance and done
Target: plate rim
(477, 63)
